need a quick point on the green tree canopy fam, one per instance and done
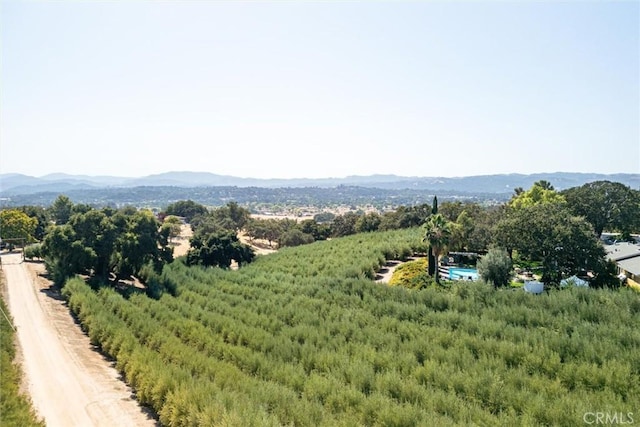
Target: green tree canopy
(344, 225)
(541, 192)
(61, 209)
(15, 224)
(173, 226)
(218, 249)
(549, 233)
(295, 237)
(95, 230)
(368, 222)
(100, 242)
(42, 217)
(187, 209)
(65, 255)
(606, 205)
(495, 267)
(140, 242)
(318, 230)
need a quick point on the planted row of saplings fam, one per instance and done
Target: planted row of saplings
(183, 359)
(370, 353)
(516, 357)
(503, 323)
(336, 361)
(456, 324)
(160, 367)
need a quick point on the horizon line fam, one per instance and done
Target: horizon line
(308, 178)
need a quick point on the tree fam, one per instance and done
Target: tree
(344, 225)
(495, 267)
(95, 230)
(432, 268)
(319, 231)
(140, 243)
(606, 205)
(15, 224)
(186, 209)
(65, 255)
(267, 229)
(541, 192)
(227, 218)
(549, 233)
(437, 233)
(218, 249)
(61, 210)
(461, 231)
(295, 237)
(42, 218)
(99, 242)
(238, 215)
(173, 224)
(323, 217)
(368, 222)
(483, 221)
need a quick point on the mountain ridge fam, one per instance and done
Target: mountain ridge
(14, 184)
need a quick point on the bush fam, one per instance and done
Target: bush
(33, 251)
(412, 275)
(495, 267)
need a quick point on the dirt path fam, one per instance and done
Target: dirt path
(181, 243)
(70, 384)
(386, 272)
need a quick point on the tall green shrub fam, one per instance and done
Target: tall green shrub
(496, 267)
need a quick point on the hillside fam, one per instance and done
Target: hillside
(306, 337)
(16, 184)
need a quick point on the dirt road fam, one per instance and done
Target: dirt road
(70, 384)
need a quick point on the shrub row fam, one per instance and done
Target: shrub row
(305, 337)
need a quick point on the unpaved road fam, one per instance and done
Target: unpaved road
(70, 384)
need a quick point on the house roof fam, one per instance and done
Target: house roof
(632, 265)
(622, 251)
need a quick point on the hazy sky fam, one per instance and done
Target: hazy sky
(319, 89)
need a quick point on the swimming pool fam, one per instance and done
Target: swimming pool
(456, 273)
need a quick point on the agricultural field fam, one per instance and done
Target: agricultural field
(305, 337)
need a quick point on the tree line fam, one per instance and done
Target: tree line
(556, 230)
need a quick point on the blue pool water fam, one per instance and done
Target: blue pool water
(456, 273)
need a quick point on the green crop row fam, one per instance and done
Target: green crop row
(305, 337)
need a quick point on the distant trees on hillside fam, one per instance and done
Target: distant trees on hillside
(187, 209)
(555, 229)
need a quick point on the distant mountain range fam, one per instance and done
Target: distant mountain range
(18, 184)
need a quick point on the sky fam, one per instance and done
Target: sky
(316, 89)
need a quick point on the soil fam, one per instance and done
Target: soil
(386, 272)
(69, 381)
(180, 244)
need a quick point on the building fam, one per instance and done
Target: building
(627, 258)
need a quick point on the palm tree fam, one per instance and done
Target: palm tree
(437, 233)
